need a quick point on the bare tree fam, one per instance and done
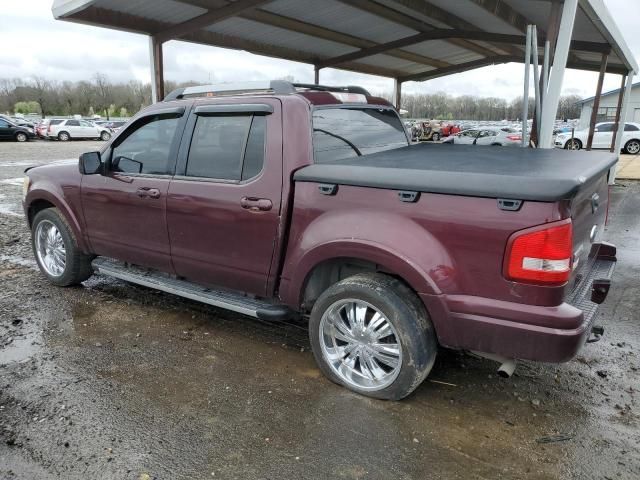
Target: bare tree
(104, 93)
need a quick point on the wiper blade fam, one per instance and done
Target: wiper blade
(355, 149)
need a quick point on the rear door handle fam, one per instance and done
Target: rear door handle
(143, 192)
(254, 204)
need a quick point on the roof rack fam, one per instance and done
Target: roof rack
(243, 88)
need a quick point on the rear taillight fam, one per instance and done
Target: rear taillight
(514, 137)
(541, 254)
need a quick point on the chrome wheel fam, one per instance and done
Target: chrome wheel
(573, 145)
(21, 137)
(633, 147)
(50, 248)
(360, 345)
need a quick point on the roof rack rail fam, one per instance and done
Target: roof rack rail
(239, 88)
(273, 86)
(328, 88)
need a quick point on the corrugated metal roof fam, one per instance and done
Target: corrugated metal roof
(317, 32)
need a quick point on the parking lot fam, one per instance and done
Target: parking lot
(112, 380)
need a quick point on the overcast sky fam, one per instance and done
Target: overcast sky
(36, 44)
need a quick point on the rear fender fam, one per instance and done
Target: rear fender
(397, 244)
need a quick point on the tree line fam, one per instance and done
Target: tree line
(100, 96)
(443, 106)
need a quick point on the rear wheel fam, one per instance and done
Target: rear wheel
(56, 250)
(21, 137)
(64, 137)
(573, 144)
(104, 136)
(372, 334)
(632, 147)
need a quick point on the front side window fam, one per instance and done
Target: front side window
(4, 124)
(630, 128)
(85, 124)
(227, 147)
(147, 149)
(351, 132)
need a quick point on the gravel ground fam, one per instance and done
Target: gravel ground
(109, 380)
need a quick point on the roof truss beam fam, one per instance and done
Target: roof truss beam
(280, 21)
(410, 22)
(212, 16)
(444, 34)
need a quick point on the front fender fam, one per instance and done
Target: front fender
(67, 202)
(396, 243)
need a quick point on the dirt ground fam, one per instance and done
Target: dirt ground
(114, 381)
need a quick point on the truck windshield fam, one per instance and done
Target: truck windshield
(351, 132)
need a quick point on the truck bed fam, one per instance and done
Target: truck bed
(545, 175)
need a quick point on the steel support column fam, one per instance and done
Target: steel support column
(623, 116)
(617, 120)
(552, 98)
(525, 96)
(316, 75)
(596, 100)
(157, 69)
(397, 93)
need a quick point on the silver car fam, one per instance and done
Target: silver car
(496, 136)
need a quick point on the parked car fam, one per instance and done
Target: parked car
(602, 138)
(309, 201)
(11, 131)
(115, 125)
(490, 136)
(65, 130)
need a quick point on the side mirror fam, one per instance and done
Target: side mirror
(595, 129)
(90, 163)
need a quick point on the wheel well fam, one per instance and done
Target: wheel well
(332, 271)
(37, 206)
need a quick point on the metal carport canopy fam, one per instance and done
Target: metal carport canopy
(408, 40)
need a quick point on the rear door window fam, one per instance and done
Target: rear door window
(72, 123)
(630, 128)
(227, 147)
(147, 146)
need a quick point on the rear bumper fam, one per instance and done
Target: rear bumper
(531, 332)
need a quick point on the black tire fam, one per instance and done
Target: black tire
(64, 136)
(403, 309)
(496, 144)
(21, 137)
(105, 136)
(435, 137)
(632, 147)
(77, 264)
(577, 144)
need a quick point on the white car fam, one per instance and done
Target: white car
(496, 136)
(602, 137)
(75, 129)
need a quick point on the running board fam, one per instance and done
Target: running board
(228, 300)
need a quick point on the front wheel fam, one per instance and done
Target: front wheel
(632, 147)
(573, 144)
(56, 250)
(21, 137)
(372, 334)
(104, 136)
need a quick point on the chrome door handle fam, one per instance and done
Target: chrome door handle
(143, 192)
(254, 204)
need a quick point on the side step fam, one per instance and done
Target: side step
(228, 300)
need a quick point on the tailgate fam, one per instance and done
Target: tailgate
(588, 214)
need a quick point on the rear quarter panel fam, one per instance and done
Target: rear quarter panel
(440, 245)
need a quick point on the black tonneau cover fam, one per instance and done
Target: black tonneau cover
(479, 171)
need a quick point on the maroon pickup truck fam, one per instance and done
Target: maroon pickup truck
(277, 200)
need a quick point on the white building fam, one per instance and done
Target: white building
(609, 106)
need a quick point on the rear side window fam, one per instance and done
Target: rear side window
(55, 122)
(72, 123)
(227, 147)
(147, 146)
